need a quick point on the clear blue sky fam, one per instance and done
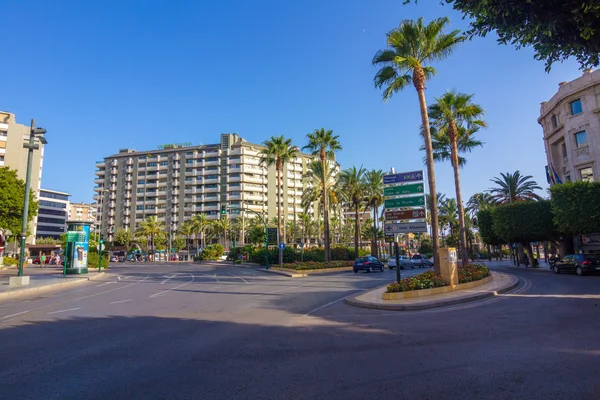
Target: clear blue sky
(105, 75)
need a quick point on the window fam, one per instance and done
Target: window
(163, 163)
(1, 158)
(554, 119)
(212, 176)
(587, 174)
(210, 159)
(141, 182)
(576, 107)
(142, 158)
(152, 164)
(213, 186)
(563, 147)
(53, 204)
(141, 190)
(189, 153)
(56, 196)
(140, 199)
(214, 168)
(142, 165)
(139, 207)
(189, 178)
(3, 133)
(189, 161)
(581, 139)
(150, 173)
(142, 173)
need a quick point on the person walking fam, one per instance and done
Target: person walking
(42, 261)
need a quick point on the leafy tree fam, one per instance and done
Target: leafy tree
(12, 201)
(278, 151)
(178, 244)
(576, 207)
(456, 119)
(314, 192)
(514, 187)
(555, 29)
(256, 235)
(199, 226)
(323, 143)
(124, 238)
(485, 224)
(411, 47)
(375, 199)
(425, 246)
(150, 229)
(479, 201)
(352, 182)
(186, 230)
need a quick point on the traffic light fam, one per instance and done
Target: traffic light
(101, 241)
(223, 210)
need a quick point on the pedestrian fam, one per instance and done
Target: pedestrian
(42, 261)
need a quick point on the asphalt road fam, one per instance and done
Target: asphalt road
(223, 332)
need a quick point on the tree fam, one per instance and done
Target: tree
(352, 182)
(314, 192)
(221, 227)
(479, 201)
(186, 230)
(12, 201)
(514, 187)
(375, 199)
(576, 207)
(456, 118)
(410, 47)
(485, 224)
(323, 143)
(278, 151)
(179, 244)
(199, 225)
(124, 238)
(556, 30)
(150, 229)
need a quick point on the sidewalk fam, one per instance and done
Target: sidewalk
(500, 283)
(49, 277)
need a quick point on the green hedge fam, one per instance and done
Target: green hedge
(576, 207)
(313, 254)
(93, 259)
(212, 252)
(527, 221)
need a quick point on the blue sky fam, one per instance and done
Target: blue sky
(105, 75)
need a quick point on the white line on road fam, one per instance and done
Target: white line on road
(14, 315)
(212, 276)
(61, 311)
(328, 304)
(168, 277)
(239, 277)
(104, 284)
(176, 287)
(120, 301)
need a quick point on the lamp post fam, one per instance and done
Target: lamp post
(101, 240)
(31, 145)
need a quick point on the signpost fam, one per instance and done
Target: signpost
(281, 246)
(403, 177)
(409, 227)
(414, 188)
(416, 201)
(399, 215)
(272, 235)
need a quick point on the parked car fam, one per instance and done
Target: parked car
(578, 263)
(38, 261)
(368, 264)
(405, 262)
(114, 259)
(421, 261)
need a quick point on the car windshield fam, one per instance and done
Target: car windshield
(362, 259)
(416, 256)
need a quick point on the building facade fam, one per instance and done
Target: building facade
(53, 213)
(14, 156)
(82, 212)
(176, 182)
(571, 124)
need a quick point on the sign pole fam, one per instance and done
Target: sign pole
(398, 277)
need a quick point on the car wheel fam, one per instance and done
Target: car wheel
(579, 271)
(355, 271)
(556, 270)
(381, 268)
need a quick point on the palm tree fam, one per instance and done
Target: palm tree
(221, 227)
(514, 187)
(186, 230)
(314, 191)
(324, 144)
(449, 215)
(278, 151)
(479, 201)
(410, 47)
(440, 198)
(199, 225)
(457, 119)
(374, 184)
(150, 228)
(306, 222)
(352, 182)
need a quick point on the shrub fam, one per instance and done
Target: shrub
(426, 280)
(472, 272)
(212, 252)
(317, 265)
(93, 259)
(10, 261)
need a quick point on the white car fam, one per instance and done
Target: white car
(405, 262)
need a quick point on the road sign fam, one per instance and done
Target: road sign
(272, 233)
(402, 177)
(413, 188)
(414, 201)
(281, 246)
(405, 228)
(395, 215)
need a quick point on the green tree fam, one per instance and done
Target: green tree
(375, 199)
(278, 151)
(576, 207)
(124, 238)
(479, 201)
(150, 229)
(410, 47)
(12, 201)
(456, 118)
(556, 30)
(187, 230)
(199, 226)
(514, 187)
(179, 244)
(485, 224)
(314, 192)
(352, 182)
(256, 235)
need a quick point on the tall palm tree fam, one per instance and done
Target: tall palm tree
(449, 215)
(278, 151)
(352, 182)
(187, 230)
(457, 118)
(199, 224)
(323, 143)
(150, 228)
(410, 47)
(514, 187)
(221, 227)
(375, 199)
(314, 191)
(479, 201)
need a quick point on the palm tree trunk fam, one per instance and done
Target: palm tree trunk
(419, 83)
(461, 210)
(356, 231)
(374, 247)
(325, 208)
(279, 212)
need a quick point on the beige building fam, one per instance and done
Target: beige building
(14, 156)
(82, 212)
(571, 124)
(178, 181)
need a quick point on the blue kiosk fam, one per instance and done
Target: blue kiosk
(76, 253)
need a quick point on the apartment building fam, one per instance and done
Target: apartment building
(178, 181)
(53, 214)
(571, 124)
(14, 156)
(82, 212)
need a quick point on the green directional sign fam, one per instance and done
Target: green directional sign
(405, 202)
(414, 188)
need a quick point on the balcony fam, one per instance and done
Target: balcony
(234, 197)
(129, 170)
(175, 175)
(254, 169)
(129, 161)
(211, 190)
(112, 204)
(210, 163)
(210, 208)
(95, 197)
(99, 172)
(253, 179)
(190, 191)
(232, 170)
(234, 179)
(175, 183)
(190, 172)
(100, 164)
(161, 201)
(96, 181)
(251, 161)
(128, 178)
(176, 156)
(113, 179)
(111, 213)
(175, 192)
(209, 181)
(151, 185)
(254, 197)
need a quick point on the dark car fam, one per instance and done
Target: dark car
(578, 263)
(421, 261)
(368, 264)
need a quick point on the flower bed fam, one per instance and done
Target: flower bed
(308, 265)
(472, 272)
(428, 280)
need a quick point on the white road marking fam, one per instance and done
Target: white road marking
(176, 287)
(61, 311)
(212, 276)
(14, 315)
(120, 301)
(104, 284)
(168, 277)
(328, 304)
(239, 277)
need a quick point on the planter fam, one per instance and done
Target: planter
(428, 292)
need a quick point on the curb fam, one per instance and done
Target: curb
(29, 290)
(283, 273)
(352, 301)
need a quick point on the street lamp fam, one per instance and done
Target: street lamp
(31, 145)
(101, 241)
